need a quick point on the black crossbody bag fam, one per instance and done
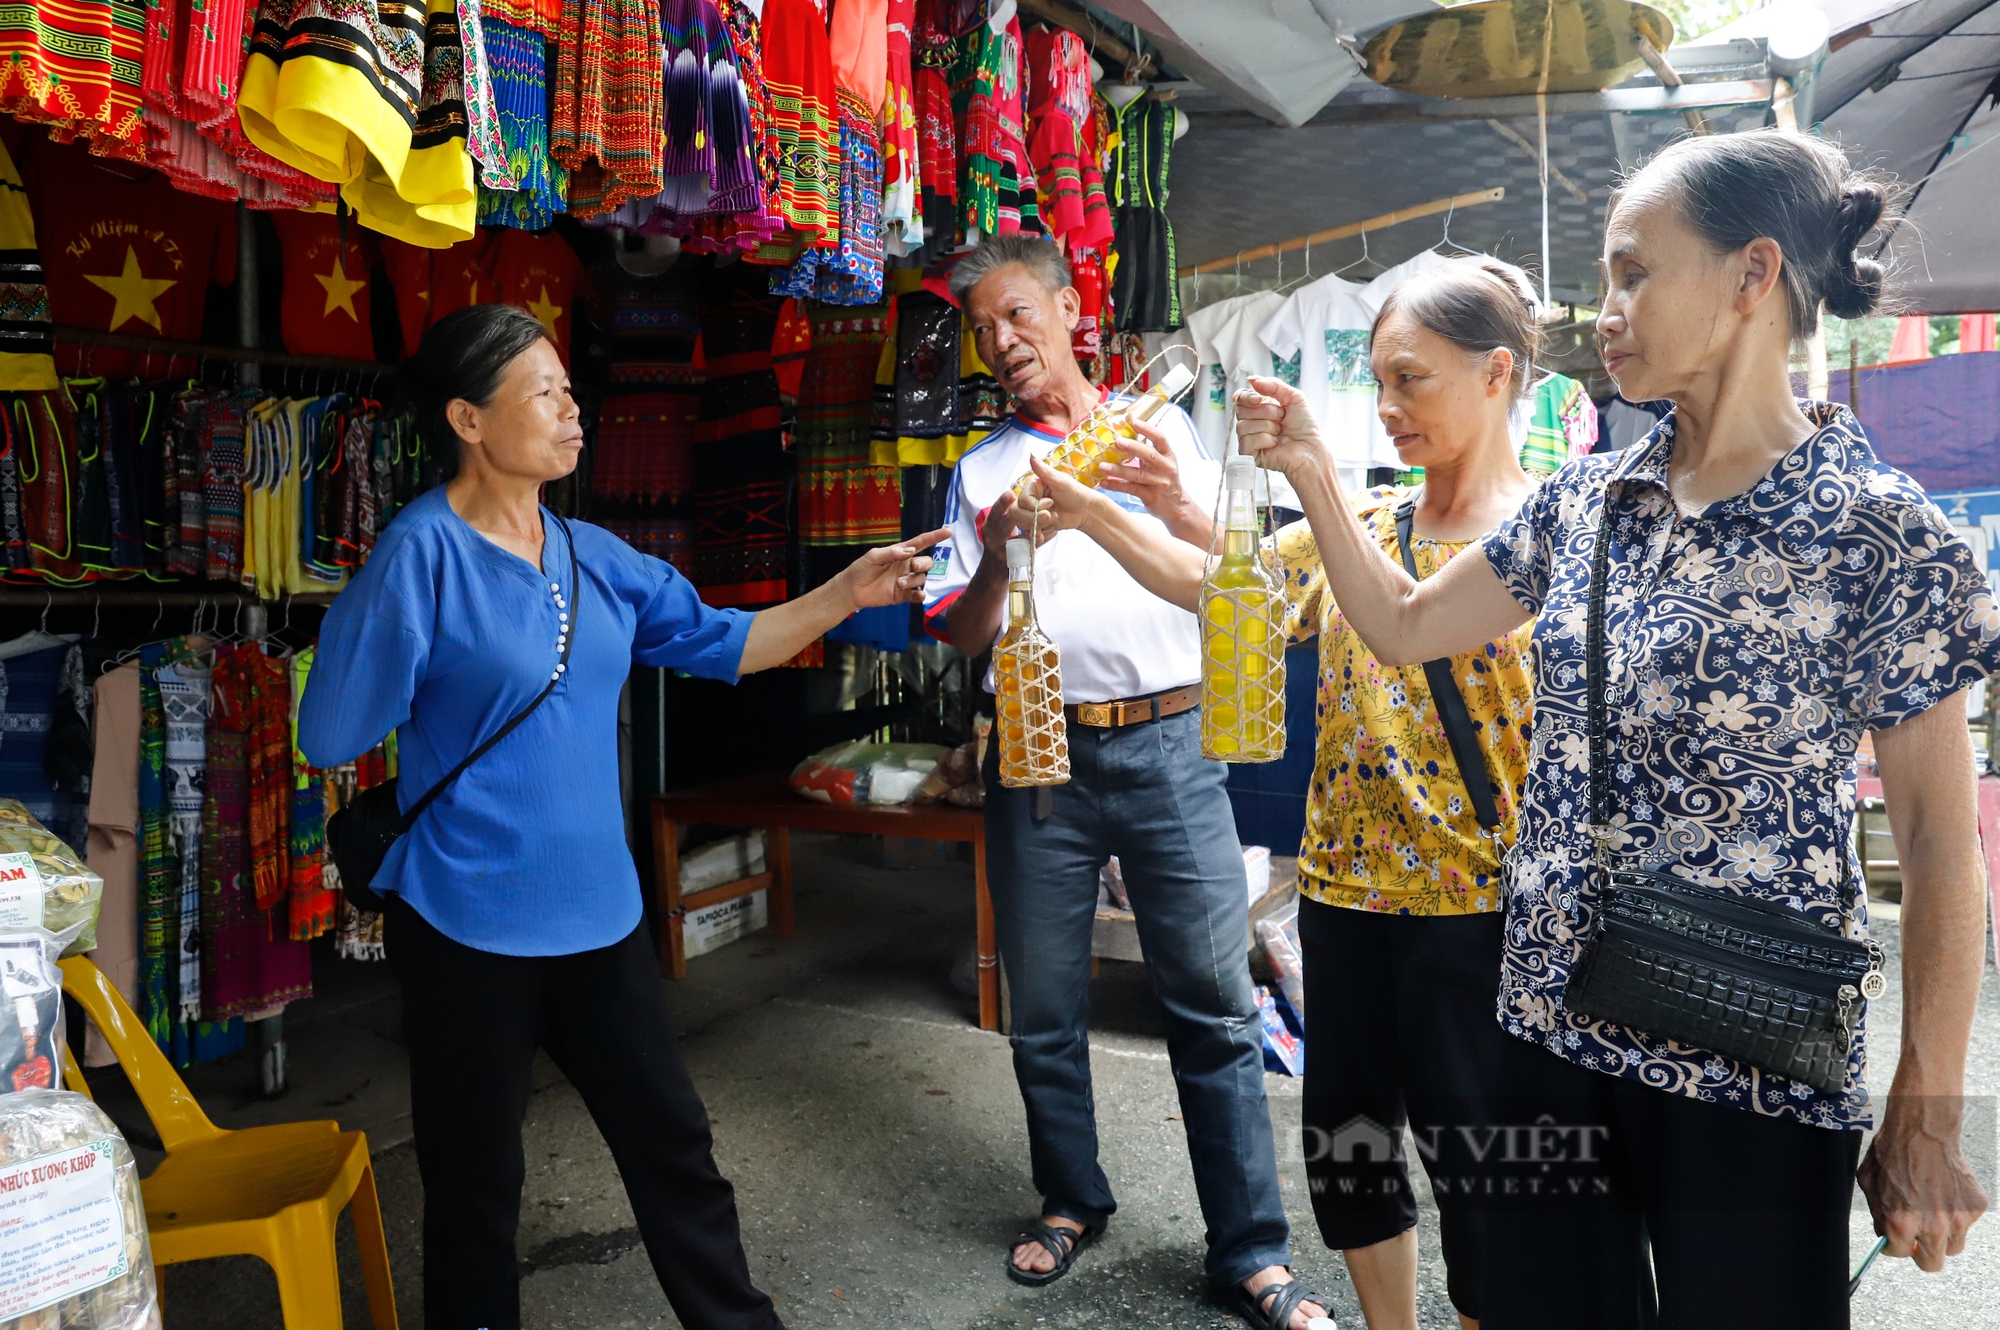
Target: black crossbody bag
(359, 835)
(1450, 702)
(1754, 980)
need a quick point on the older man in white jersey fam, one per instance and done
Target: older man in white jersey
(1139, 789)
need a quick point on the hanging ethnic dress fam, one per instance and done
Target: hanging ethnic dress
(608, 116)
(75, 66)
(933, 54)
(518, 61)
(1144, 290)
(746, 231)
(848, 502)
(986, 99)
(254, 967)
(332, 87)
(741, 470)
(805, 127)
(184, 702)
(902, 212)
(851, 272)
(310, 901)
(157, 882)
(27, 342)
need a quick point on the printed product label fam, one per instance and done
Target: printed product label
(20, 892)
(62, 1230)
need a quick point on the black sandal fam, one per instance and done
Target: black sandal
(1062, 1243)
(1272, 1308)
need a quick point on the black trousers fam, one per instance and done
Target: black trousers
(472, 1021)
(1613, 1204)
(1399, 1030)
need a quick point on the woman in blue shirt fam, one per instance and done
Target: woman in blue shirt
(513, 903)
(1771, 590)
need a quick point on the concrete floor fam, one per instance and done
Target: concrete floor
(875, 1138)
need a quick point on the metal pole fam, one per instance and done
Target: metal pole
(246, 293)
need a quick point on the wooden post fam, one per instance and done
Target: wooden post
(988, 949)
(778, 852)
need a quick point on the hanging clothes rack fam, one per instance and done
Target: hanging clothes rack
(1387, 219)
(241, 355)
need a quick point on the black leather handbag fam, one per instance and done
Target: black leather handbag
(360, 835)
(1753, 980)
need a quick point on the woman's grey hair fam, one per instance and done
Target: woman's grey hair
(1479, 308)
(1799, 191)
(1038, 255)
(465, 354)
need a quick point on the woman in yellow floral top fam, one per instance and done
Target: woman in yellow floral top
(1400, 921)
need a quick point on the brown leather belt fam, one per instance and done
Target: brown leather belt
(1134, 710)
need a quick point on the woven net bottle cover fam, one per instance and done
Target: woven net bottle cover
(1027, 685)
(1099, 440)
(1242, 610)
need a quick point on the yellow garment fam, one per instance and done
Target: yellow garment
(325, 117)
(24, 300)
(1389, 825)
(273, 493)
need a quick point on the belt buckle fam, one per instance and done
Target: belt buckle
(1094, 713)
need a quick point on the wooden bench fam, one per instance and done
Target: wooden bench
(767, 801)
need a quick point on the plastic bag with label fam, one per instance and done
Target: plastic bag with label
(72, 1220)
(44, 882)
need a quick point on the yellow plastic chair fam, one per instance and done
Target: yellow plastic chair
(271, 1192)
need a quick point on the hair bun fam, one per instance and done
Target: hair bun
(1861, 205)
(1854, 286)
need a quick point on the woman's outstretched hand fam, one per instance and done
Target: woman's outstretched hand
(893, 574)
(1275, 426)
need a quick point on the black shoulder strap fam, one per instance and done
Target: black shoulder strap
(1593, 677)
(562, 667)
(1450, 702)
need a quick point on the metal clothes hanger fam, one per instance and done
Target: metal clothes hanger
(1366, 257)
(1283, 285)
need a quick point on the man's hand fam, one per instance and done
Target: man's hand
(892, 574)
(1151, 474)
(1275, 426)
(1920, 1190)
(1065, 504)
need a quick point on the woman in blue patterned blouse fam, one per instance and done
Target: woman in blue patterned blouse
(1774, 590)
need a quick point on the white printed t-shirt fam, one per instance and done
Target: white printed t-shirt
(1117, 639)
(1326, 325)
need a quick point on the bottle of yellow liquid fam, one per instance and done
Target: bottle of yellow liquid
(1242, 637)
(1027, 686)
(1099, 441)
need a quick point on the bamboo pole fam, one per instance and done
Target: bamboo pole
(1387, 219)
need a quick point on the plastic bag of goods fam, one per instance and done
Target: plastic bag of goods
(866, 773)
(31, 1014)
(1279, 936)
(73, 1251)
(1284, 1048)
(44, 883)
(956, 769)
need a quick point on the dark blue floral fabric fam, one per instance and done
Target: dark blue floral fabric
(1747, 649)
